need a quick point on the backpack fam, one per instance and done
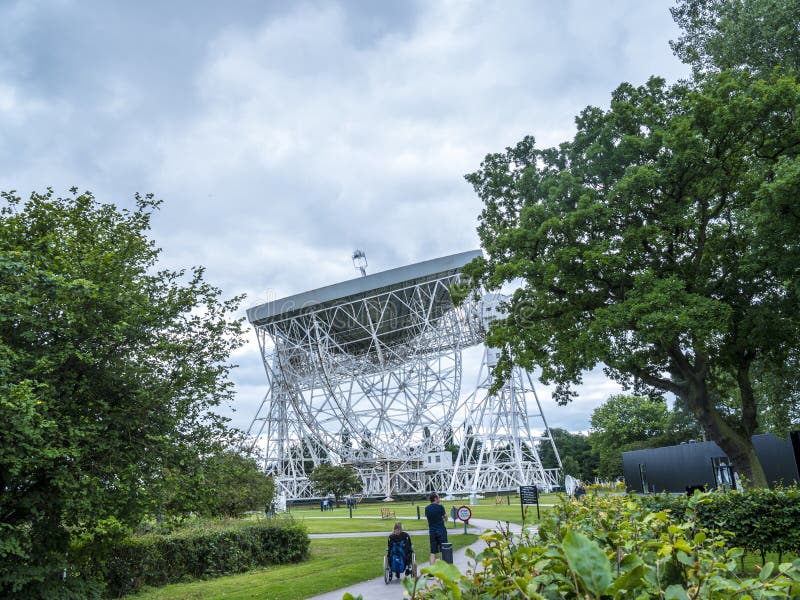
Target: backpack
(397, 557)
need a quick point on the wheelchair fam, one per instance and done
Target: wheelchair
(394, 563)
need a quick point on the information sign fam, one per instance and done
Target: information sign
(528, 494)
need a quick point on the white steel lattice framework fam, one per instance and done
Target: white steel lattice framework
(366, 372)
(499, 449)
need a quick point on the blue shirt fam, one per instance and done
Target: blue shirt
(436, 515)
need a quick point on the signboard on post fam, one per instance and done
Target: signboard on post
(464, 513)
(529, 494)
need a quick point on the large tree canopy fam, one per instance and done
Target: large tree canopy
(662, 241)
(757, 35)
(632, 422)
(108, 371)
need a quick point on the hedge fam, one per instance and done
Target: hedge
(158, 560)
(758, 520)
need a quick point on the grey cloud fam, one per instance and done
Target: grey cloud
(283, 135)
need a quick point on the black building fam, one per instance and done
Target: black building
(674, 468)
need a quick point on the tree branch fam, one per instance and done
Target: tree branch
(679, 359)
(658, 382)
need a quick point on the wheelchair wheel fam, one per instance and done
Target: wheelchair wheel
(387, 574)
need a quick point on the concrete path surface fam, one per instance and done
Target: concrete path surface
(360, 534)
(376, 589)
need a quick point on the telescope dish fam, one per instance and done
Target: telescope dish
(372, 366)
(383, 308)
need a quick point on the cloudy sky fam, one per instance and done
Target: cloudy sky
(282, 135)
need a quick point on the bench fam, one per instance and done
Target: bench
(387, 513)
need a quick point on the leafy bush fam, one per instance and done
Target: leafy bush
(674, 503)
(221, 482)
(196, 553)
(758, 520)
(611, 547)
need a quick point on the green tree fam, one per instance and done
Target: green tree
(577, 457)
(233, 484)
(759, 36)
(662, 241)
(109, 369)
(624, 423)
(751, 34)
(337, 480)
(220, 481)
(571, 467)
(473, 446)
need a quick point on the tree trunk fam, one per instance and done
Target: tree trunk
(738, 447)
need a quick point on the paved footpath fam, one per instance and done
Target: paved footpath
(376, 589)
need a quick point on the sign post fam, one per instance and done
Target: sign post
(528, 494)
(464, 513)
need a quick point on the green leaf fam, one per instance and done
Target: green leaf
(588, 561)
(449, 575)
(700, 537)
(766, 571)
(632, 577)
(675, 592)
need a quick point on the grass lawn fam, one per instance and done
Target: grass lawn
(367, 516)
(346, 525)
(333, 564)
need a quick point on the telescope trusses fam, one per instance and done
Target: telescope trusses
(366, 372)
(499, 446)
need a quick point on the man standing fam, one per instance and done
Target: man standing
(437, 530)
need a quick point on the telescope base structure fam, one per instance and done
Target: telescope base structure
(498, 452)
(413, 481)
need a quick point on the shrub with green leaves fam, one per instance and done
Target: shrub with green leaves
(611, 547)
(195, 553)
(758, 520)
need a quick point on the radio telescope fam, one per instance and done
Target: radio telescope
(365, 372)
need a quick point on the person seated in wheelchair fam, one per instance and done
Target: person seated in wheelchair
(399, 551)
